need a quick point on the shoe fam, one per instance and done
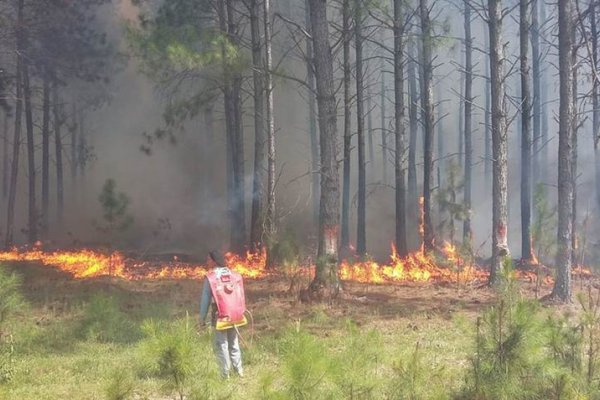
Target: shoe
(240, 373)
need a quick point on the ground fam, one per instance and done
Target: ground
(60, 353)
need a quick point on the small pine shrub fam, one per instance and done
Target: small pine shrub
(105, 322)
(509, 360)
(120, 386)
(357, 363)
(182, 359)
(307, 367)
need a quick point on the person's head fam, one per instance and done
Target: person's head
(215, 260)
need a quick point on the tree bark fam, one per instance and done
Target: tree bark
(258, 190)
(32, 211)
(270, 223)
(46, 154)
(312, 120)
(413, 96)
(14, 172)
(427, 120)
(468, 141)
(595, 101)
(384, 133)
(326, 271)
(526, 133)
(544, 137)
(58, 121)
(499, 142)
(487, 163)
(361, 237)
(399, 130)
(537, 105)
(575, 126)
(5, 160)
(562, 285)
(74, 146)
(345, 237)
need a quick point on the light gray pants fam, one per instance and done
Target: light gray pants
(227, 350)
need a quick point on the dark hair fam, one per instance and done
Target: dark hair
(216, 257)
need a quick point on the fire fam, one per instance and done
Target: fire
(415, 267)
(446, 266)
(90, 264)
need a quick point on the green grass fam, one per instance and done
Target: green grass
(95, 344)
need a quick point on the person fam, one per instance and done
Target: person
(223, 290)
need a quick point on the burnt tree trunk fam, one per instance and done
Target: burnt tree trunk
(526, 133)
(562, 286)
(32, 211)
(46, 154)
(258, 189)
(58, 121)
(399, 130)
(468, 141)
(370, 144)
(345, 238)
(326, 272)
(544, 136)
(499, 142)
(14, 172)
(427, 120)
(361, 212)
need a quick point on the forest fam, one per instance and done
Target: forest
(409, 188)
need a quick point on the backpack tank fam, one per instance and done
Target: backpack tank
(228, 293)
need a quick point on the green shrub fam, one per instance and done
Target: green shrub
(120, 386)
(180, 357)
(307, 367)
(105, 322)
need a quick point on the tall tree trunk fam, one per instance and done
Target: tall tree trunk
(428, 125)
(575, 127)
(346, 17)
(370, 144)
(544, 139)
(526, 133)
(32, 211)
(58, 121)
(499, 142)
(595, 101)
(46, 154)
(312, 120)
(238, 229)
(256, 224)
(537, 105)
(487, 163)
(326, 272)
(74, 146)
(468, 101)
(14, 172)
(82, 156)
(229, 128)
(361, 212)
(461, 116)
(270, 223)
(413, 96)
(562, 286)
(441, 163)
(399, 130)
(384, 133)
(5, 157)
